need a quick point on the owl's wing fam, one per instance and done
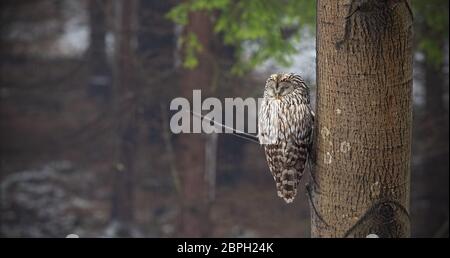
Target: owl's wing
(310, 136)
(304, 142)
(305, 130)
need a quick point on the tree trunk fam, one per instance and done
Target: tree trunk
(124, 115)
(99, 85)
(431, 180)
(156, 37)
(434, 88)
(194, 217)
(363, 124)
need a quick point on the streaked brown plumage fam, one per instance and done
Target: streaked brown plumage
(285, 130)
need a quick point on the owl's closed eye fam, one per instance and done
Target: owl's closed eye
(279, 89)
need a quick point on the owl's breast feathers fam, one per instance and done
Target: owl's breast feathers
(288, 119)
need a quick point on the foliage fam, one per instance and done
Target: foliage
(257, 28)
(192, 46)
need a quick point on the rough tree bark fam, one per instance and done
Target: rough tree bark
(364, 114)
(191, 147)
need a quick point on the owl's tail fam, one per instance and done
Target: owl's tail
(287, 185)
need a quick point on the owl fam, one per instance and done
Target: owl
(285, 127)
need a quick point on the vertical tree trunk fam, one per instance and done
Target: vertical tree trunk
(156, 50)
(432, 193)
(364, 113)
(124, 115)
(434, 88)
(156, 37)
(194, 217)
(99, 85)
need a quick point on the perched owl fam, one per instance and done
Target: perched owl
(285, 130)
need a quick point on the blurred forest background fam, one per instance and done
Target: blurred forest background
(85, 145)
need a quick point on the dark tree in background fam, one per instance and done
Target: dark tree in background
(156, 36)
(191, 147)
(99, 82)
(430, 183)
(124, 111)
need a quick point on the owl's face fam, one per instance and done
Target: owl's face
(278, 89)
(280, 85)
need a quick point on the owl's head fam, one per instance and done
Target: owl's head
(281, 85)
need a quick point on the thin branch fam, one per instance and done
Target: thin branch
(235, 132)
